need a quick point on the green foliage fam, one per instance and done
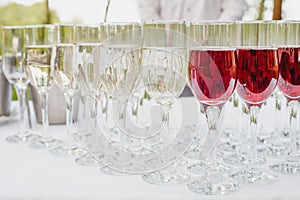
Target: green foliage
(17, 14)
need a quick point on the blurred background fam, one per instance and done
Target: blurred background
(14, 12)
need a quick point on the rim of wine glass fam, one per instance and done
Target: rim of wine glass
(36, 26)
(130, 23)
(257, 22)
(211, 22)
(87, 25)
(212, 48)
(8, 27)
(65, 24)
(166, 22)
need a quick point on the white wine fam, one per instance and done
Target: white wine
(39, 66)
(87, 68)
(120, 70)
(64, 68)
(164, 72)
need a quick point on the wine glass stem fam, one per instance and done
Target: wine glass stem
(45, 120)
(212, 116)
(23, 127)
(69, 117)
(166, 115)
(293, 106)
(254, 112)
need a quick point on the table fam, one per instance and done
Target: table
(35, 174)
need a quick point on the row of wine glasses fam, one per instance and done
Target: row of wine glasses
(111, 66)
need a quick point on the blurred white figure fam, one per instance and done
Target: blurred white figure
(191, 10)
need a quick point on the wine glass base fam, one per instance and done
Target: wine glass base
(202, 168)
(286, 168)
(66, 151)
(32, 138)
(196, 154)
(14, 139)
(45, 143)
(24, 138)
(273, 151)
(213, 185)
(110, 171)
(87, 160)
(241, 160)
(166, 177)
(253, 176)
(228, 147)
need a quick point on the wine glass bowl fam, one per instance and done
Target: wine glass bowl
(258, 74)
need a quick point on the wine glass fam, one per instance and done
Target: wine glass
(64, 77)
(213, 72)
(164, 72)
(289, 85)
(14, 71)
(257, 78)
(118, 78)
(87, 66)
(39, 63)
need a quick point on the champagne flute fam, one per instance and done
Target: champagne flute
(39, 63)
(257, 79)
(289, 85)
(213, 77)
(14, 71)
(65, 79)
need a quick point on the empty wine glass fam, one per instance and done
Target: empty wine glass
(257, 78)
(289, 85)
(39, 63)
(213, 77)
(14, 70)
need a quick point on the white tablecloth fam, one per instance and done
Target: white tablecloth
(35, 174)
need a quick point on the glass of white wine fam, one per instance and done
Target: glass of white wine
(86, 71)
(14, 70)
(164, 72)
(64, 77)
(39, 63)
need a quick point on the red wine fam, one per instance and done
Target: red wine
(213, 74)
(289, 65)
(258, 74)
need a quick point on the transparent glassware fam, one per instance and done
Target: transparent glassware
(14, 70)
(213, 77)
(39, 63)
(118, 80)
(87, 66)
(164, 72)
(289, 85)
(257, 79)
(64, 77)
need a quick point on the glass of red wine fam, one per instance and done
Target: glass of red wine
(289, 85)
(213, 78)
(257, 78)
